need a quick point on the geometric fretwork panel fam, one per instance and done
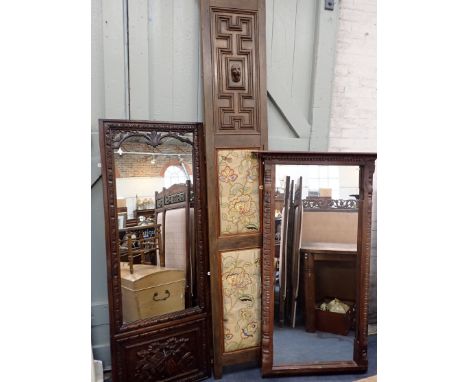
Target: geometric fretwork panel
(235, 68)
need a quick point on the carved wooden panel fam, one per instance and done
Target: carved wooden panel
(235, 64)
(170, 354)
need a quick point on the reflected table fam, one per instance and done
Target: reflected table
(312, 253)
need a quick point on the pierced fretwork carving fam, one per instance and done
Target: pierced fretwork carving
(330, 204)
(235, 63)
(176, 198)
(173, 199)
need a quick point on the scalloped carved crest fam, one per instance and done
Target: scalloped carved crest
(152, 138)
(163, 359)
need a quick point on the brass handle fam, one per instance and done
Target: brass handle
(162, 298)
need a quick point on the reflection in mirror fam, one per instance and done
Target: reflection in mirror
(156, 226)
(316, 220)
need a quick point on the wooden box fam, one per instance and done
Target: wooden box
(336, 323)
(325, 192)
(151, 291)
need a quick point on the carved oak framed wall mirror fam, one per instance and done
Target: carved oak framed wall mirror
(315, 267)
(157, 260)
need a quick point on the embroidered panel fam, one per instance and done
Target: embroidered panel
(238, 192)
(241, 280)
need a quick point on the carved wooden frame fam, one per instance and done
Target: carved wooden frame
(366, 163)
(195, 319)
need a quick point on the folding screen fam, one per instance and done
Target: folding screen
(234, 71)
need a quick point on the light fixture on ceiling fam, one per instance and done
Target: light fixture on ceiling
(119, 151)
(153, 161)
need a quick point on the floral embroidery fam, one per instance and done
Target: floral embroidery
(240, 213)
(245, 314)
(238, 192)
(238, 278)
(227, 175)
(227, 335)
(241, 298)
(249, 330)
(242, 209)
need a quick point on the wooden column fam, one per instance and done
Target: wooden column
(309, 291)
(366, 177)
(234, 76)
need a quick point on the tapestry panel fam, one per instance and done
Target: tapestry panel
(241, 280)
(238, 192)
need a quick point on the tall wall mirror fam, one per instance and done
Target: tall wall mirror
(316, 249)
(157, 262)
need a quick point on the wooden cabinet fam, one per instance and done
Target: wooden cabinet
(320, 283)
(147, 213)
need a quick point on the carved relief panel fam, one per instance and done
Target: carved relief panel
(169, 354)
(164, 358)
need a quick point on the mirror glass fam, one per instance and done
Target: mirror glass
(155, 202)
(316, 230)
